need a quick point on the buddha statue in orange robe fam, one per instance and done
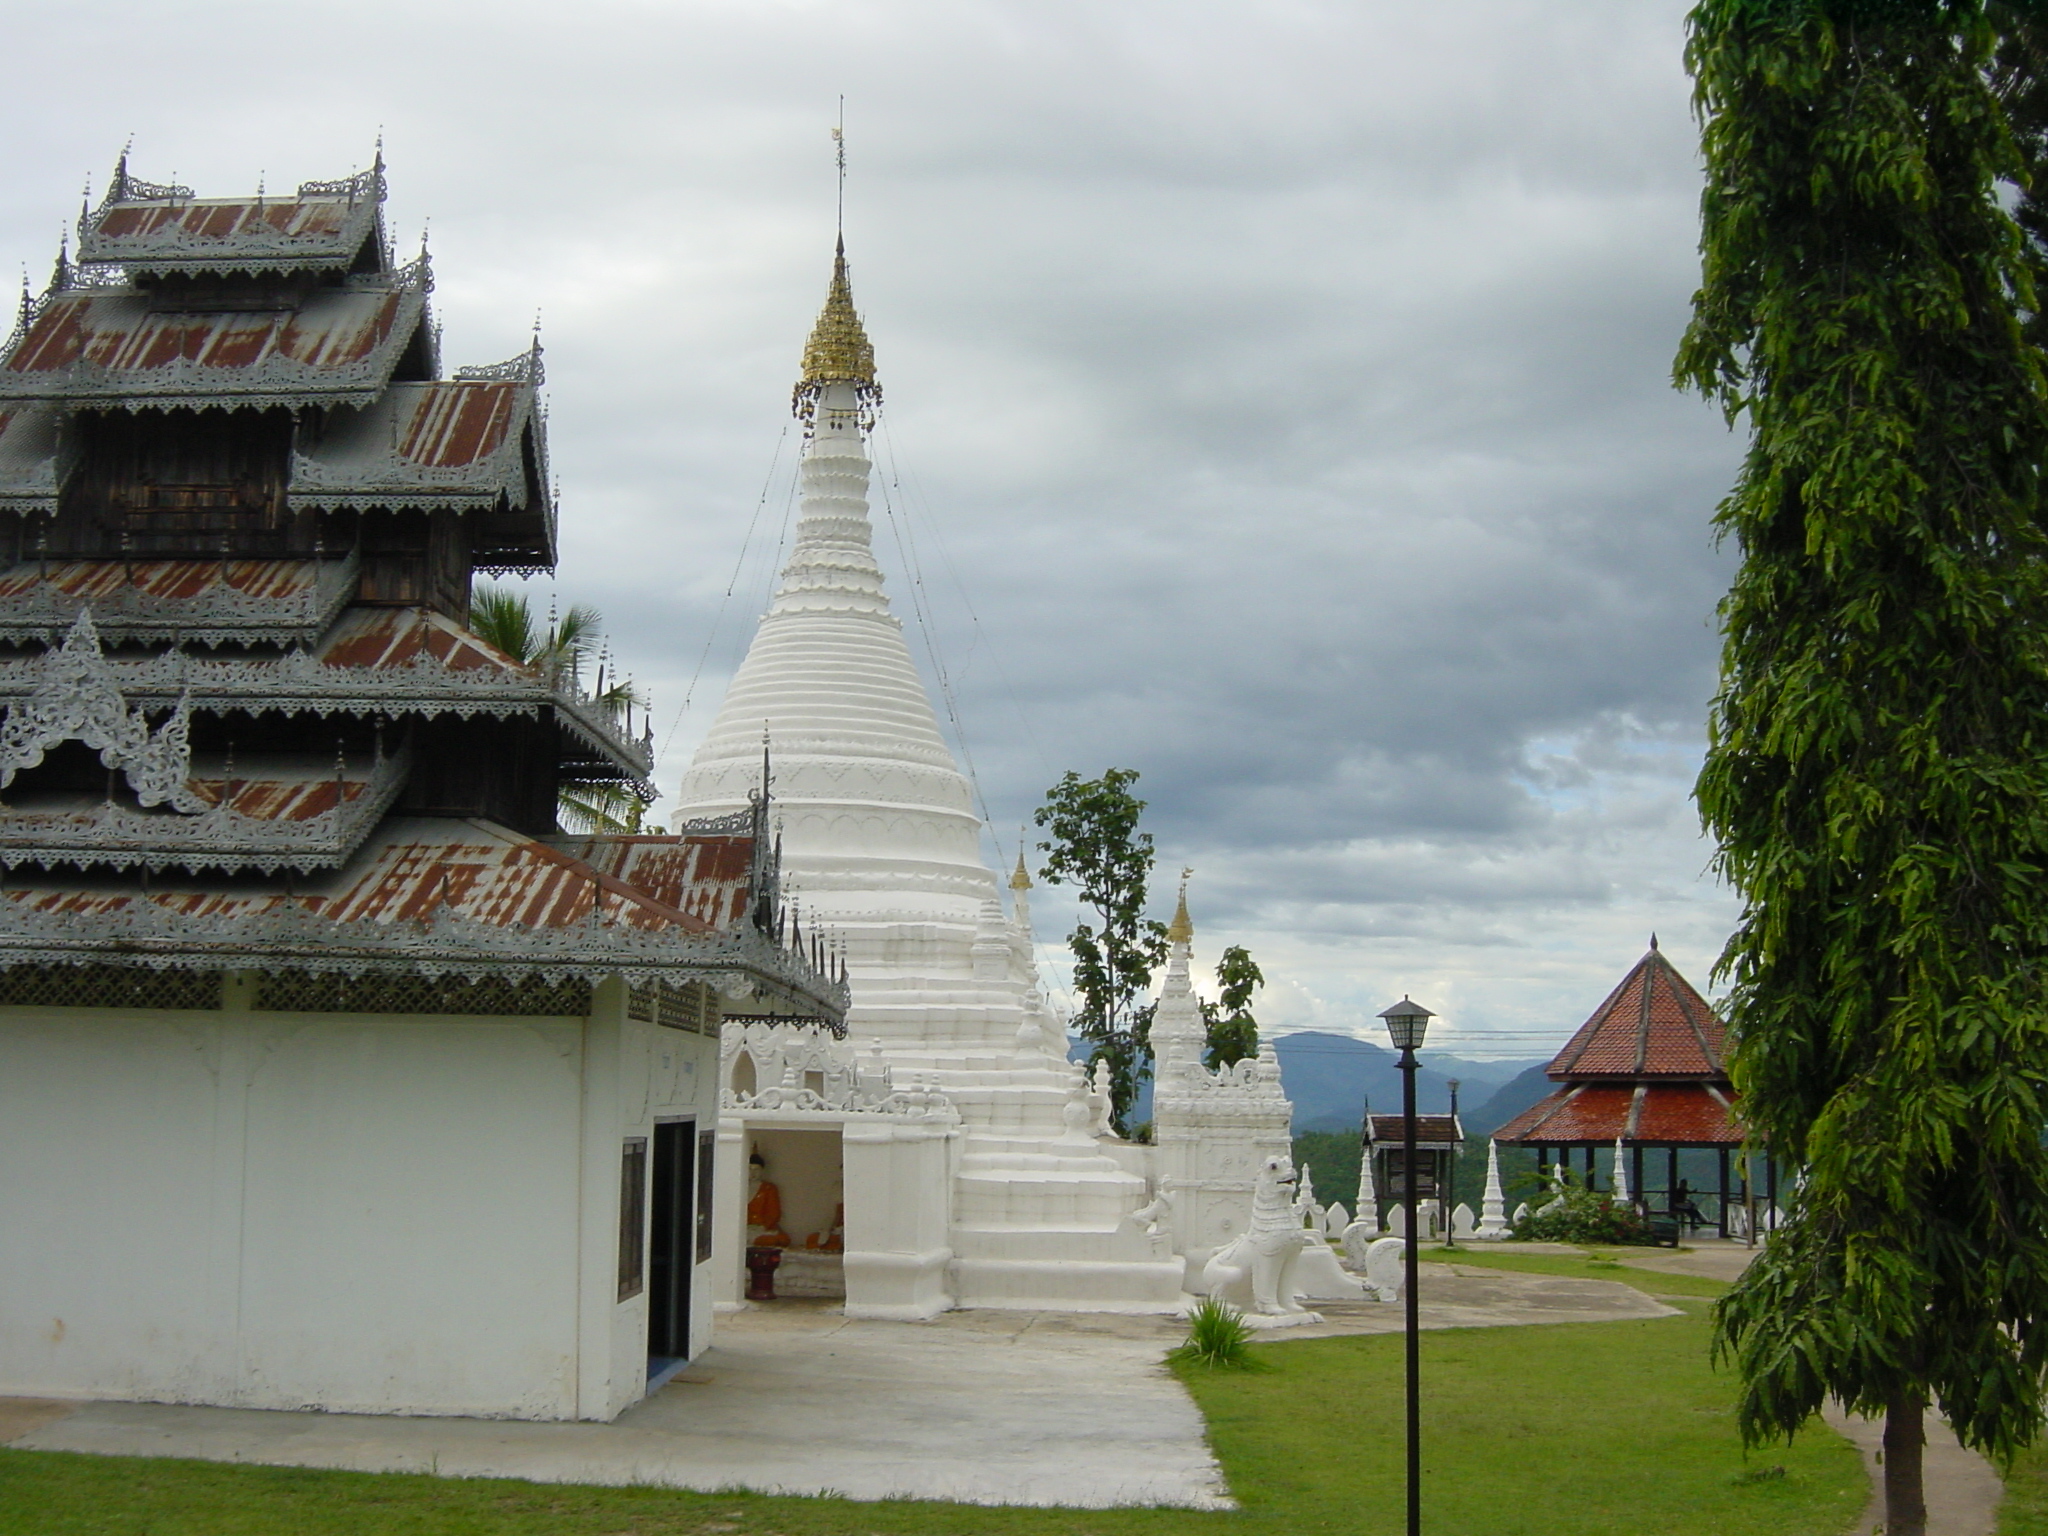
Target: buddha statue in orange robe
(764, 1207)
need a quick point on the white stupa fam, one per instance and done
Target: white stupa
(882, 850)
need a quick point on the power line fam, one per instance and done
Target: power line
(724, 602)
(920, 605)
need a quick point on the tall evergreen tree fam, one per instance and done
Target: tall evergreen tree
(1877, 774)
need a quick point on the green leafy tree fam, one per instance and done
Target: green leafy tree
(1233, 1034)
(1093, 844)
(2018, 76)
(1877, 771)
(561, 649)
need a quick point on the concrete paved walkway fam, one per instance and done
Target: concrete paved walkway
(981, 1407)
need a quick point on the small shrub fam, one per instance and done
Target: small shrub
(1585, 1217)
(1217, 1335)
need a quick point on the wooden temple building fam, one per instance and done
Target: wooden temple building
(1644, 1074)
(332, 1073)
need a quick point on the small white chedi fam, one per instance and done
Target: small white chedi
(994, 1184)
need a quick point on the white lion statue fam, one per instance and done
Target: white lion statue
(1256, 1269)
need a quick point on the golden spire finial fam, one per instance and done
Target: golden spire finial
(839, 351)
(1182, 929)
(1021, 880)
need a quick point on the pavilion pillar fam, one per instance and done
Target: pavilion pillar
(1722, 1152)
(1642, 1195)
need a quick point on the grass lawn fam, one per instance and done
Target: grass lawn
(1595, 1429)
(1601, 1266)
(2025, 1510)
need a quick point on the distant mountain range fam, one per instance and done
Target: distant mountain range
(1330, 1078)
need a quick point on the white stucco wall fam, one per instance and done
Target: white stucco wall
(359, 1213)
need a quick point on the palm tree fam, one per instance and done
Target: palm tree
(505, 619)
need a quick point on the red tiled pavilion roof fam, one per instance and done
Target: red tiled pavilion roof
(1660, 1114)
(1654, 1025)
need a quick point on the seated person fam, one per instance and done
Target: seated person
(764, 1207)
(1682, 1207)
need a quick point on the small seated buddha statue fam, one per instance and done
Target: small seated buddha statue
(833, 1241)
(764, 1207)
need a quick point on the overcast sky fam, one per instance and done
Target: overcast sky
(1277, 402)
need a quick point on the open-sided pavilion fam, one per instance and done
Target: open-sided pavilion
(1645, 1073)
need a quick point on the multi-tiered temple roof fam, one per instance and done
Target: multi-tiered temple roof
(246, 723)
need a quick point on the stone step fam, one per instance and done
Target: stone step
(1041, 1200)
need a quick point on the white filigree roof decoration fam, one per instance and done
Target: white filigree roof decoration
(76, 699)
(298, 682)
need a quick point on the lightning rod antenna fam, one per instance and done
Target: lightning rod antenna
(839, 146)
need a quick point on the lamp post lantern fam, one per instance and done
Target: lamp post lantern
(1407, 1022)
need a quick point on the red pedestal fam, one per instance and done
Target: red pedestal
(761, 1266)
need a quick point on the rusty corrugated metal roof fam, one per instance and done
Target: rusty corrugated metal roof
(160, 229)
(111, 345)
(176, 580)
(203, 602)
(397, 637)
(436, 897)
(456, 442)
(415, 867)
(225, 221)
(706, 876)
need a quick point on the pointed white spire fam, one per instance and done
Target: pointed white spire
(1367, 1214)
(1621, 1194)
(1493, 1210)
(1179, 1035)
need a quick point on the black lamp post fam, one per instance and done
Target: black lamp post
(1449, 1192)
(1407, 1022)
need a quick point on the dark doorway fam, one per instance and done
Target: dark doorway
(671, 1245)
